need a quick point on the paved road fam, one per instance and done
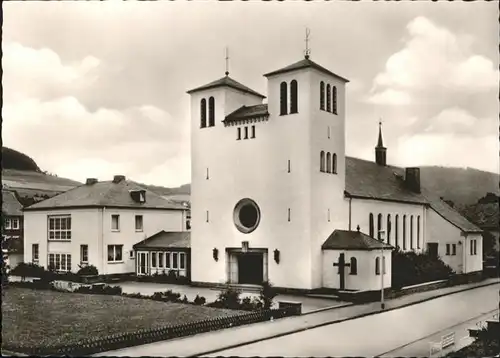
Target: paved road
(376, 334)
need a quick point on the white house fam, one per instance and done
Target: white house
(97, 223)
(271, 183)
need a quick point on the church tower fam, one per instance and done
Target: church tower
(268, 180)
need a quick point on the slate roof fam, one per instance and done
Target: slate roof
(105, 194)
(166, 240)
(246, 112)
(229, 82)
(10, 205)
(352, 240)
(368, 180)
(305, 63)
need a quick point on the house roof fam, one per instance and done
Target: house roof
(305, 63)
(10, 205)
(166, 240)
(352, 240)
(246, 112)
(229, 82)
(368, 180)
(105, 194)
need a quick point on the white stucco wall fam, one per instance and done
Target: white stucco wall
(366, 279)
(360, 213)
(473, 263)
(92, 227)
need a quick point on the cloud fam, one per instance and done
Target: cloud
(434, 57)
(390, 97)
(460, 122)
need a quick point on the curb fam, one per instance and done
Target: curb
(337, 321)
(328, 308)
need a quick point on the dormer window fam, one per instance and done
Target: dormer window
(139, 196)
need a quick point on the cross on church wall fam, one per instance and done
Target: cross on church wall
(341, 264)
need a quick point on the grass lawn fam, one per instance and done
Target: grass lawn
(38, 318)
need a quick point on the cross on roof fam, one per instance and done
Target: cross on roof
(308, 50)
(227, 62)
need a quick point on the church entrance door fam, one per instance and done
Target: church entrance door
(251, 268)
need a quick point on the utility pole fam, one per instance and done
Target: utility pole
(382, 269)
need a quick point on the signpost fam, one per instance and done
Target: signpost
(382, 269)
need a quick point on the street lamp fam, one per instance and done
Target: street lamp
(382, 268)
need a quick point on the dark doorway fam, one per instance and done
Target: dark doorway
(251, 268)
(432, 249)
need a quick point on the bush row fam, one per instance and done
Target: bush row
(34, 270)
(123, 340)
(165, 276)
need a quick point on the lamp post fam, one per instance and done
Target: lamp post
(382, 267)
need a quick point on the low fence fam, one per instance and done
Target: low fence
(123, 340)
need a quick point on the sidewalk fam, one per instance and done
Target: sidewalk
(211, 342)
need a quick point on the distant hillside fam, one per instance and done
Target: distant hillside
(163, 191)
(12, 159)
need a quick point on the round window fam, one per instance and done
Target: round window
(246, 215)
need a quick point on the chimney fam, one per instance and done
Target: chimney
(118, 178)
(380, 150)
(412, 179)
(91, 181)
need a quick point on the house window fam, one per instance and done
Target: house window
(418, 232)
(139, 224)
(35, 253)
(60, 227)
(328, 98)
(354, 266)
(379, 226)
(322, 162)
(211, 112)
(239, 134)
(328, 163)
(131, 254)
(8, 224)
(389, 229)
(411, 233)
(167, 260)
(253, 131)
(115, 253)
(334, 99)
(160, 259)
(473, 247)
(334, 163)
(447, 249)
(60, 262)
(371, 225)
(182, 260)
(15, 224)
(246, 132)
(294, 97)
(84, 254)
(322, 95)
(377, 265)
(396, 233)
(154, 256)
(115, 222)
(404, 232)
(283, 98)
(203, 113)
(175, 260)
(453, 249)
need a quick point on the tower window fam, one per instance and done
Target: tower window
(239, 134)
(289, 166)
(294, 97)
(328, 163)
(371, 225)
(289, 215)
(208, 217)
(334, 163)
(211, 112)
(334, 99)
(283, 98)
(253, 131)
(328, 130)
(208, 177)
(328, 98)
(203, 113)
(328, 214)
(322, 95)
(246, 132)
(322, 162)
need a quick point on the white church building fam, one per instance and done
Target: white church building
(274, 197)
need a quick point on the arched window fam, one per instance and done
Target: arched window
(203, 113)
(322, 162)
(371, 225)
(379, 226)
(411, 233)
(322, 95)
(389, 228)
(418, 232)
(396, 232)
(283, 98)
(354, 266)
(334, 99)
(377, 265)
(383, 265)
(328, 163)
(211, 112)
(404, 232)
(294, 106)
(328, 98)
(334, 163)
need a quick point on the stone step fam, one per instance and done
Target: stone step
(325, 296)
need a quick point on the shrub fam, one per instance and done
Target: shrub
(229, 298)
(5, 274)
(199, 300)
(185, 299)
(134, 295)
(28, 270)
(89, 270)
(100, 290)
(267, 294)
(167, 296)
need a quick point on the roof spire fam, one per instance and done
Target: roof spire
(380, 150)
(307, 52)
(227, 62)
(380, 142)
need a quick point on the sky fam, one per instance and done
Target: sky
(94, 89)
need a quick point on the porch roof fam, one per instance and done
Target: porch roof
(352, 240)
(166, 240)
